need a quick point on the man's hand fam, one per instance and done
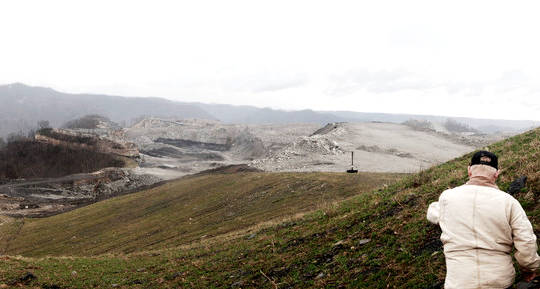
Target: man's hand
(528, 276)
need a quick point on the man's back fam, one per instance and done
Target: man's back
(476, 217)
(477, 237)
(479, 225)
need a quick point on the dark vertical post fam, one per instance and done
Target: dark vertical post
(352, 170)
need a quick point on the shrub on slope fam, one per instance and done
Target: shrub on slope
(32, 159)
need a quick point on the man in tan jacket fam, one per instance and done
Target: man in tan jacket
(480, 224)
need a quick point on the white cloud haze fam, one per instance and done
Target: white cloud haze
(457, 58)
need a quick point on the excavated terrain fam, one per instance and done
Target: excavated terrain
(156, 150)
(172, 148)
(377, 147)
(46, 197)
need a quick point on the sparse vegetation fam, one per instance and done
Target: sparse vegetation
(454, 126)
(26, 158)
(377, 239)
(422, 125)
(90, 121)
(44, 124)
(89, 140)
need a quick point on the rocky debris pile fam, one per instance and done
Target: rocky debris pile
(114, 182)
(476, 140)
(41, 198)
(315, 145)
(303, 151)
(277, 136)
(247, 146)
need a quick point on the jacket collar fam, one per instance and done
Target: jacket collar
(481, 181)
(482, 175)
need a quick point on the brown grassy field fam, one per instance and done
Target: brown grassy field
(185, 211)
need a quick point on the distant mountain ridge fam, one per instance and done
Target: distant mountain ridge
(22, 106)
(254, 115)
(483, 125)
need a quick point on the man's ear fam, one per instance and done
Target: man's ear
(497, 173)
(469, 171)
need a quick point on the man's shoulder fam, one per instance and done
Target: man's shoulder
(466, 188)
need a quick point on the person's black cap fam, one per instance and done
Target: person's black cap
(485, 158)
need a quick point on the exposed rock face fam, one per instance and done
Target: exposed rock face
(326, 129)
(190, 146)
(83, 139)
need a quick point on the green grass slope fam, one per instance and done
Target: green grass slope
(378, 239)
(184, 211)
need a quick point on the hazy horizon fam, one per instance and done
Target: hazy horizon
(456, 59)
(263, 107)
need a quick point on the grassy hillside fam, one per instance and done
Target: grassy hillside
(378, 239)
(184, 211)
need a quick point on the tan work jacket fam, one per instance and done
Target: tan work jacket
(479, 226)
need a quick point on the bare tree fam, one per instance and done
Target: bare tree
(13, 137)
(43, 124)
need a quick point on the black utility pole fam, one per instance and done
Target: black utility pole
(352, 170)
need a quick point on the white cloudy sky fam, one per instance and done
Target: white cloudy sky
(457, 58)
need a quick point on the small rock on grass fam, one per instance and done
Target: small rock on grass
(27, 277)
(338, 243)
(364, 241)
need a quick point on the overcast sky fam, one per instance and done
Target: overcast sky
(456, 58)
